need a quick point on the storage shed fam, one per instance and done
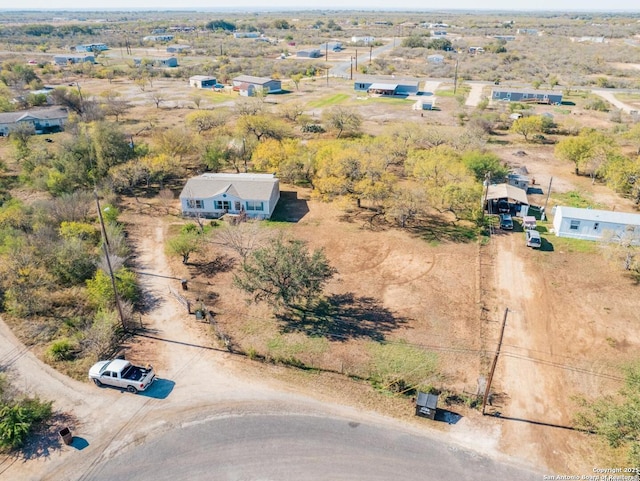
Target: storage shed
(593, 224)
(426, 405)
(202, 81)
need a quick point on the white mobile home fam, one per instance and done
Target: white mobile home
(593, 224)
(214, 195)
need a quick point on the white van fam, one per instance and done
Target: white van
(533, 239)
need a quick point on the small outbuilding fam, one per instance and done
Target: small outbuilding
(519, 181)
(594, 224)
(426, 405)
(202, 81)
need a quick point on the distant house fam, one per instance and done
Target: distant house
(71, 59)
(44, 121)
(178, 48)
(311, 53)
(214, 195)
(363, 40)
(157, 38)
(246, 34)
(533, 96)
(438, 33)
(388, 89)
(250, 84)
(435, 58)
(594, 224)
(475, 50)
(505, 38)
(527, 31)
(202, 81)
(92, 47)
(333, 46)
(159, 62)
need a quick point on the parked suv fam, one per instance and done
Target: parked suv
(533, 239)
(506, 221)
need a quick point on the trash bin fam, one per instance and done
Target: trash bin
(184, 284)
(66, 435)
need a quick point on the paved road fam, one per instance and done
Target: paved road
(299, 448)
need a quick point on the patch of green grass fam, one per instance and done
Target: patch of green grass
(568, 244)
(627, 96)
(391, 101)
(574, 198)
(328, 101)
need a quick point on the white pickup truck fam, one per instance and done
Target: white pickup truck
(122, 374)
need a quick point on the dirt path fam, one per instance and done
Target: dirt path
(611, 98)
(475, 94)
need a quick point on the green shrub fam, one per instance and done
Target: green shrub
(18, 419)
(62, 350)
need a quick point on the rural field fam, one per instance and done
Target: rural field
(436, 291)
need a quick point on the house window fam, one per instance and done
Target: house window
(195, 204)
(596, 225)
(575, 224)
(255, 205)
(222, 205)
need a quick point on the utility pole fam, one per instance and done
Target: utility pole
(356, 60)
(495, 362)
(351, 70)
(487, 180)
(370, 53)
(547, 199)
(105, 246)
(455, 78)
(326, 51)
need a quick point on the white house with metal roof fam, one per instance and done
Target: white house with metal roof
(213, 195)
(250, 84)
(388, 88)
(594, 224)
(43, 120)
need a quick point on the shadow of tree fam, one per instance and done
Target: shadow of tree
(433, 228)
(343, 317)
(222, 263)
(47, 438)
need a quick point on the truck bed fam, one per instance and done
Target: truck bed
(134, 373)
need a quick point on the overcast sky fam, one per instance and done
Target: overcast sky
(523, 5)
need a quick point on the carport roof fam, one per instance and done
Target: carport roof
(383, 86)
(506, 191)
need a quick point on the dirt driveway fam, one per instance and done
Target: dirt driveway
(556, 345)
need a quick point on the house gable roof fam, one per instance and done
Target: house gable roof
(39, 114)
(506, 191)
(252, 80)
(596, 215)
(241, 186)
